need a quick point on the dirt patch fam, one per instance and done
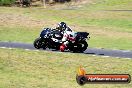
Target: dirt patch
(74, 4)
(94, 31)
(20, 20)
(81, 3)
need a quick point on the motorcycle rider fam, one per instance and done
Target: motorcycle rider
(68, 35)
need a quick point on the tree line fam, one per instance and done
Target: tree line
(28, 2)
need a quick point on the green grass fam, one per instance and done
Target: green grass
(111, 43)
(42, 69)
(31, 69)
(110, 5)
(18, 34)
(102, 25)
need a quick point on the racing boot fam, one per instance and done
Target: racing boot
(62, 47)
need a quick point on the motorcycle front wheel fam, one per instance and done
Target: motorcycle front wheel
(37, 43)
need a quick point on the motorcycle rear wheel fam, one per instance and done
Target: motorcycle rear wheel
(80, 47)
(84, 46)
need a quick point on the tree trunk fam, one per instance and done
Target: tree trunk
(44, 3)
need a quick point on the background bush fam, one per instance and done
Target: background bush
(7, 2)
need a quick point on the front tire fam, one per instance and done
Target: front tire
(37, 43)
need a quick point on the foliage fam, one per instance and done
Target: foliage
(6, 2)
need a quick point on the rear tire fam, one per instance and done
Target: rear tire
(84, 46)
(81, 47)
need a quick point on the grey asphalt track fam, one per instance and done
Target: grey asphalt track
(90, 51)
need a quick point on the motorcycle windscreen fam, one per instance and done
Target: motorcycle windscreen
(45, 32)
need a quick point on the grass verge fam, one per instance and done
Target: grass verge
(42, 69)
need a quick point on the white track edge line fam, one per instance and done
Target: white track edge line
(61, 52)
